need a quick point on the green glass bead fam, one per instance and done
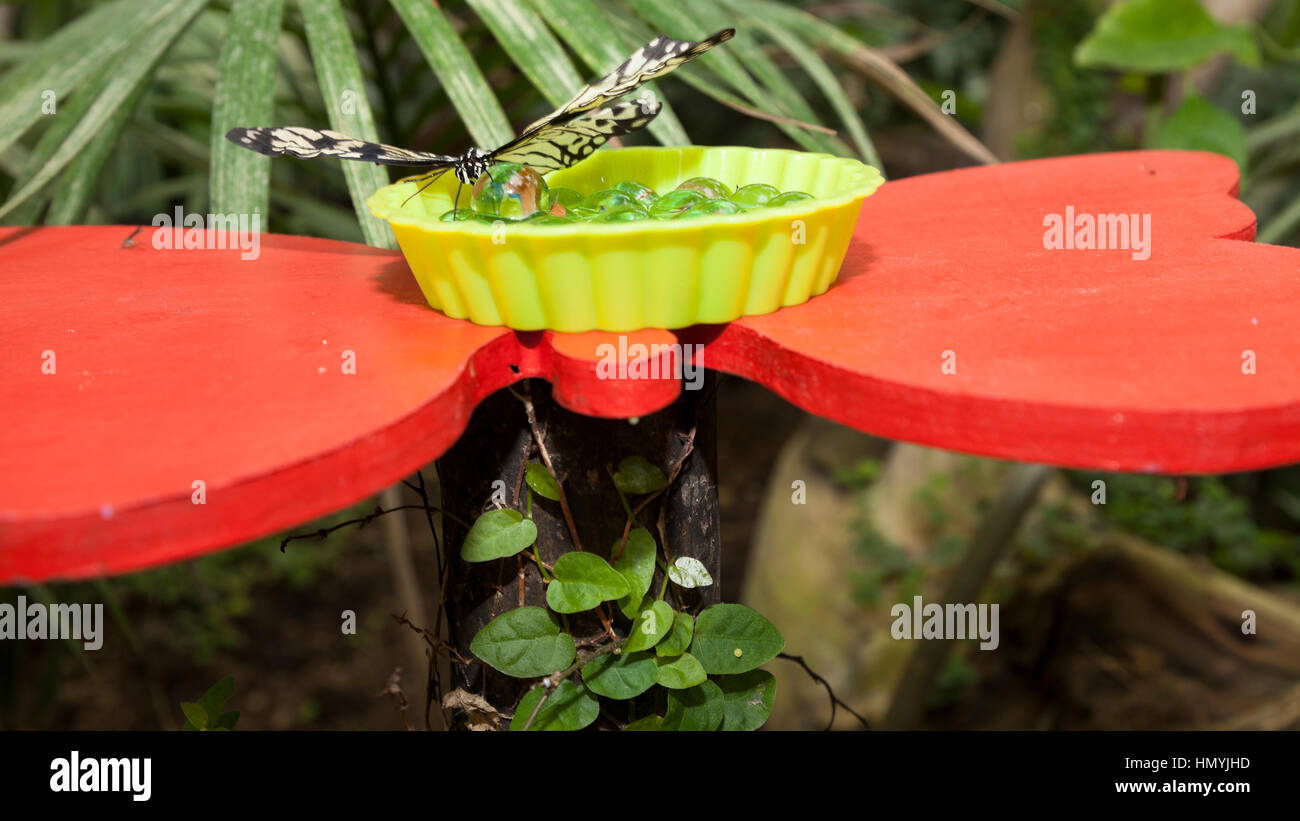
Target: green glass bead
(606, 199)
(675, 202)
(643, 194)
(707, 186)
(457, 215)
(788, 198)
(490, 219)
(755, 194)
(568, 197)
(623, 213)
(510, 191)
(543, 218)
(710, 208)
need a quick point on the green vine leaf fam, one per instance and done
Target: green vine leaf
(681, 673)
(524, 643)
(195, 715)
(747, 699)
(650, 626)
(689, 572)
(733, 638)
(541, 481)
(637, 564)
(217, 695)
(582, 581)
(635, 474)
(226, 721)
(1155, 36)
(206, 713)
(570, 707)
(698, 709)
(498, 534)
(648, 723)
(1197, 125)
(622, 676)
(679, 638)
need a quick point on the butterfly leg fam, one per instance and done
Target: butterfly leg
(455, 206)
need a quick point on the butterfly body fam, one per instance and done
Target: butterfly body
(558, 140)
(471, 165)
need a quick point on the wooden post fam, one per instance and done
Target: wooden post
(497, 446)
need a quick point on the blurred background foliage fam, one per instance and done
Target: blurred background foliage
(114, 111)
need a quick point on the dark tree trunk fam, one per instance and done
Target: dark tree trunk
(497, 446)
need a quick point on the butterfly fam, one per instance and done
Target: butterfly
(560, 139)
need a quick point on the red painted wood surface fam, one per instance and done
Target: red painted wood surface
(173, 367)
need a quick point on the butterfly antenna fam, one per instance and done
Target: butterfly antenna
(432, 178)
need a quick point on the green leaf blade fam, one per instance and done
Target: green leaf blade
(524, 643)
(1155, 36)
(77, 183)
(621, 676)
(498, 534)
(637, 564)
(69, 57)
(195, 714)
(465, 85)
(1197, 125)
(542, 482)
(636, 475)
(134, 68)
(66, 117)
(698, 709)
(241, 179)
(689, 572)
(733, 638)
(649, 627)
(681, 672)
(217, 695)
(524, 37)
(570, 707)
(747, 700)
(226, 721)
(678, 638)
(829, 85)
(599, 45)
(650, 723)
(582, 581)
(872, 63)
(677, 18)
(343, 89)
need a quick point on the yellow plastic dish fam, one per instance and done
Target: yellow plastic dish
(644, 274)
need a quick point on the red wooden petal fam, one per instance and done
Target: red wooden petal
(176, 367)
(1083, 358)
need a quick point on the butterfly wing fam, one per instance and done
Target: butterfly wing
(559, 145)
(566, 135)
(307, 143)
(655, 59)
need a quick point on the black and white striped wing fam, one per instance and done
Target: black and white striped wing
(557, 146)
(307, 143)
(655, 59)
